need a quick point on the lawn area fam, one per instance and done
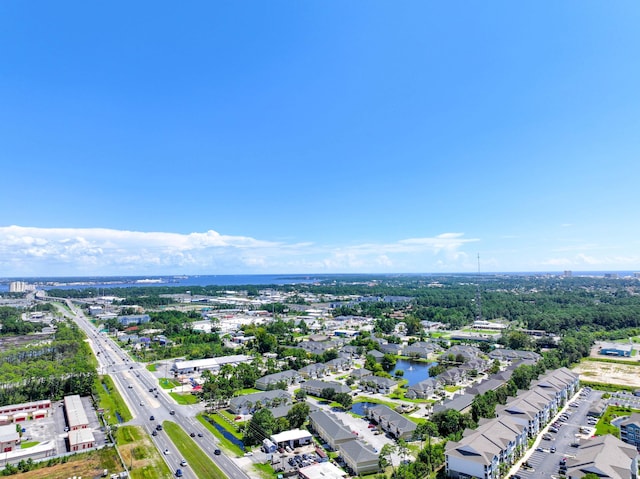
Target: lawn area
(24, 445)
(140, 454)
(265, 470)
(245, 391)
(362, 398)
(110, 401)
(198, 461)
(169, 383)
(185, 398)
(604, 424)
(224, 442)
(451, 389)
(151, 367)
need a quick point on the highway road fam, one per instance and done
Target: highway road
(140, 390)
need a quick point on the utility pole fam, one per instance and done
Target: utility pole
(478, 296)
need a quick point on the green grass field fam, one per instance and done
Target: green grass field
(198, 461)
(224, 443)
(169, 383)
(27, 444)
(111, 401)
(185, 398)
(151, 367)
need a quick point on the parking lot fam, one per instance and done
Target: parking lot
(573, 427)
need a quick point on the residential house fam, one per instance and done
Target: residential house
(359, 457)
(421, 349)
(273, 381)
(424, 389)
(377, 355)
(330, 428)
(338, 365)
(377, 384)
(452, 376)
(315, 387)
(360, 373)
(467, 352)
(313, 371)
(392, 422)
(480, 452)
(605, 456)
(391, 348)
(630, 430)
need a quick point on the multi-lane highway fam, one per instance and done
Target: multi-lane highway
(139, 389)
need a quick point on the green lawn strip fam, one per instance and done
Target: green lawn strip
(111, 402)
(451, 389)
(198, 461)
(231, 429)
(168, 383)
(613, 361)
(25, 445)
(265, 470)
(245, 391)
(224, 442)
(151, 367)
(607, 387)
(185, 398)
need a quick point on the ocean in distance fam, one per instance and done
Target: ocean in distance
(83, 282)
(179, 280)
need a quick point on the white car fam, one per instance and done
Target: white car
(183, 463)
(166, 451)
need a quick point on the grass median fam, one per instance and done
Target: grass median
(110, 400)
(199, 462)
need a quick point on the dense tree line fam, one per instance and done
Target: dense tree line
(50, 371)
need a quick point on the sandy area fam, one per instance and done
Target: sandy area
(609, 373)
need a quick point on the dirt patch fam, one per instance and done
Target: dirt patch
(87, 465)
(609, 373)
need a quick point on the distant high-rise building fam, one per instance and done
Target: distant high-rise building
(17, 287)
(568, 274)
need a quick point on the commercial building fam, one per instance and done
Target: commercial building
(81, 439)
(74, 411)
(208, 364)
(9, 438)
(292, 438)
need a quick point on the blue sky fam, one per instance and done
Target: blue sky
(318, 137)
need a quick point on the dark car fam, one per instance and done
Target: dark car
(193, 434)
(200, 434)
(159, 427)
(152, 418)
(178, 472)
(217, 452)
(154, 433)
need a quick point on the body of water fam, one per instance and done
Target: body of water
(360, 407)
(227, 435)
(414, 371)
(165, 281)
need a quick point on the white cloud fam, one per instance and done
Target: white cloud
(98, 251)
